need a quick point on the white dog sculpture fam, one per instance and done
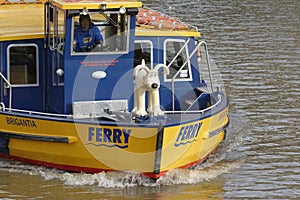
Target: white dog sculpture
(147, 80)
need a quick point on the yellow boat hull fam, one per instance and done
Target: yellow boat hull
(76, 146)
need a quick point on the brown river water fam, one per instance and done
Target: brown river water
(255, 45)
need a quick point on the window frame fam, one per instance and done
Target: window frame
(74, 53)
(187, 56)
(36, 60)
(151, 49)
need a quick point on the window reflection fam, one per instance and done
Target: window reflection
(23, 65)
(100, 32)
(172, 47)
(143, 50)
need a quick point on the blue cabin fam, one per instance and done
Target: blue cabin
(101, 85)
(47, 74)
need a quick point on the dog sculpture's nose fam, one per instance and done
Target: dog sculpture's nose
(154, 85)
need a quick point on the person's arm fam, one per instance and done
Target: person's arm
(98, 36)
(76, 45)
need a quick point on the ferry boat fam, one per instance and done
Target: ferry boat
(136, 101)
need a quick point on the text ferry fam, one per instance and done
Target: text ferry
(102, 85)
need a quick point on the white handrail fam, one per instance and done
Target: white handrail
(40, 113)
(10, 90)
(195, 111)
(195, 101)
(2, 106)
(187, 60)
(179, 52)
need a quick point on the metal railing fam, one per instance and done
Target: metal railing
(7, 85)
(40, 113)
(187, 60)
(178, 53)
(2, 105)
(196, 111)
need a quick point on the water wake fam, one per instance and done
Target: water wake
(123, 179)
(227, 158)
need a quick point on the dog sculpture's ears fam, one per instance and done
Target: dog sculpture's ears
(166, 69)
(140, 67)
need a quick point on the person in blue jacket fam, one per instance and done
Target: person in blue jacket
(87, 35)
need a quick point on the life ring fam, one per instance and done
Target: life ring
(153, 13)
(159, 20)
(160, 17)
(145, 12)
(144, 20)
(142, 10)
(148, 19)
(181, 26)
(170, 25)
(163, 25)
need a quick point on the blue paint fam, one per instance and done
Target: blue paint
(108, 136)
(28, 97)
(187, 134)
(55, 94)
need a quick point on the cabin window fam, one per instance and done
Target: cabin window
(109, 33)
(143, 49)
(171, 49)
(23, 64)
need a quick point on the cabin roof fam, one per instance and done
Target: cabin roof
(96, 4)
(21, 21)
(26, 21)
(152, 32)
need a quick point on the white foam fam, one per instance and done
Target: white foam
(124, 179)
(187, 176)
(225, 159)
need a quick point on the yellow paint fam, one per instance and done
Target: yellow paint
(152, 32)
(26, 21)
(19, 22)
(22, 21)
(21, 2)
(82, 152)
(174, 157)
(96, 4)
(139, 155)
(57, 153)
(72, 139)
(73, 153)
